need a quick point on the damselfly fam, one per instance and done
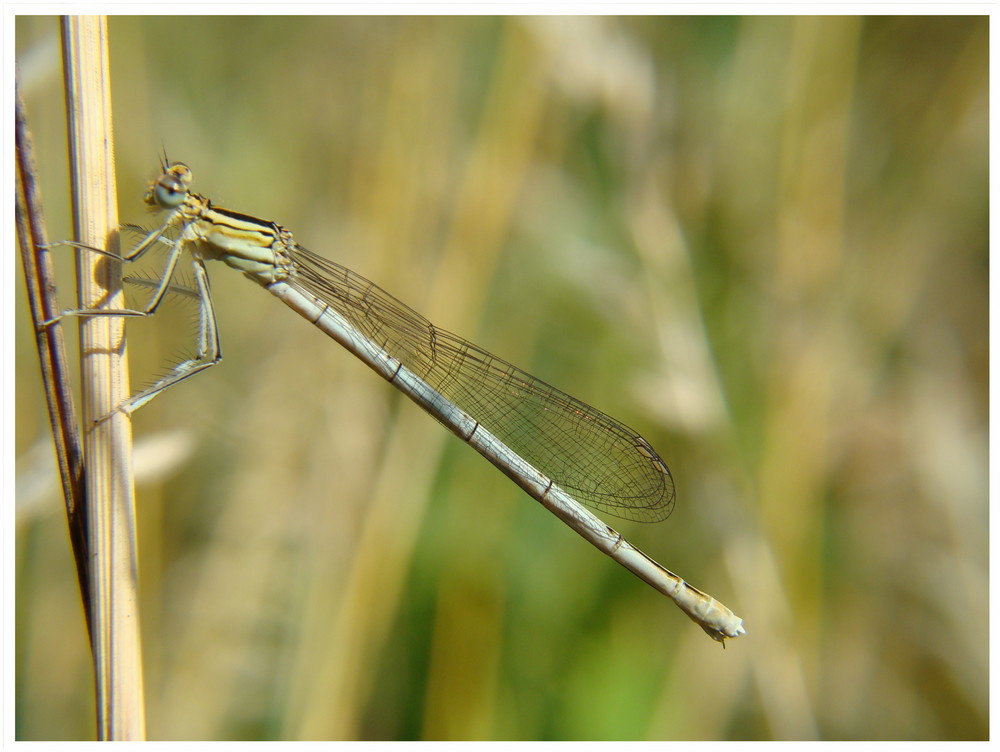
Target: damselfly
(561, 451)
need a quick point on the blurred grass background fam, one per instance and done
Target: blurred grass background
(762, 242)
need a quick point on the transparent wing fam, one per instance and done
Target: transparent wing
(598, 460)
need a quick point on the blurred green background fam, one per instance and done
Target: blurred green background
(761, 242)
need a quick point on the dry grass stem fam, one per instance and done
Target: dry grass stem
(40, 283)
(104, 384)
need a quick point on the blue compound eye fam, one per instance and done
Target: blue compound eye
(169, 192)
(171, 188)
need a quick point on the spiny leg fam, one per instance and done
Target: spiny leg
(176, 247)
(209, 352)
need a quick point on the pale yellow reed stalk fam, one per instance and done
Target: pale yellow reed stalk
(104, 385)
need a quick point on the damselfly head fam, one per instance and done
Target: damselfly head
(170, 189)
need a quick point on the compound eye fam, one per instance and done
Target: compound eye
(169, 192)
(170, 189)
